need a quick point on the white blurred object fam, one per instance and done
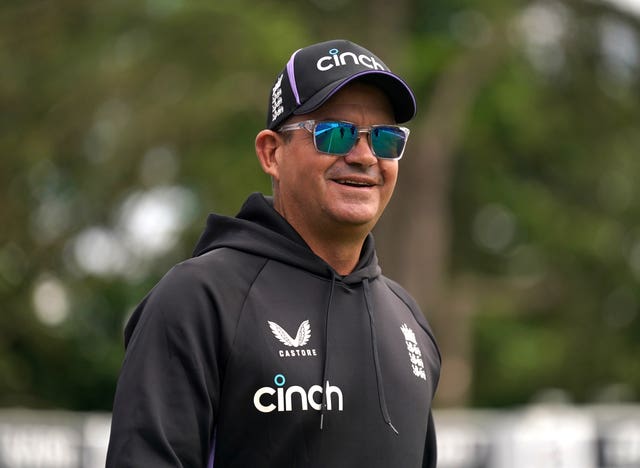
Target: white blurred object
(546, 435)
(549, 436)
(96, 441)
(29, 441)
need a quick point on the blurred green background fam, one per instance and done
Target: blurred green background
(515, 223)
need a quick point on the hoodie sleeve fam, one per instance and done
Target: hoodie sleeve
(166, 398)
(430, 458)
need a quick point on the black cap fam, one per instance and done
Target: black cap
(317, 72)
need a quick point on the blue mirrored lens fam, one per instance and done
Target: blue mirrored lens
(335, 137)
(387, 142)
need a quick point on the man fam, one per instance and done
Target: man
(280, 344)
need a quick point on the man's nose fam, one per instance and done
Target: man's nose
(361, 153)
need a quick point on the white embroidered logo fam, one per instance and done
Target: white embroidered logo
(415, 356)
(301, 339)
(337, 59)
(296, 398)
(276, 100)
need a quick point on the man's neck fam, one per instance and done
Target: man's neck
(343, 257)
(340, 249)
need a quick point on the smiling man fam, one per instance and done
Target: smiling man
(281, 344)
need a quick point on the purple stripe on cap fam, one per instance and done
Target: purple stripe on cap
(292, 76)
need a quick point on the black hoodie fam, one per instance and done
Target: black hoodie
(256, 353)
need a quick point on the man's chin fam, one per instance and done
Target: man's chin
(356, 216)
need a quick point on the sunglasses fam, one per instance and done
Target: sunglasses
(338, 138)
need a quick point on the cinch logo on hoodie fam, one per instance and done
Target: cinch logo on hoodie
(285, 398)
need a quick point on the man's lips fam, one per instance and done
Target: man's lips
(356, 181)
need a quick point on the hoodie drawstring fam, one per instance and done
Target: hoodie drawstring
(374, 344)
(376, 361)
(325, 365)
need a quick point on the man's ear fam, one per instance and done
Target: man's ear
(268, 148)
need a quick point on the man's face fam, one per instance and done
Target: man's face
(336, 194)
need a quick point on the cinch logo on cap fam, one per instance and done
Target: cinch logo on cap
(337, 59)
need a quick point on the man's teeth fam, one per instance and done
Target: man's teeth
(354, 182)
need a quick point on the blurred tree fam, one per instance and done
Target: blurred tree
(523, 243)
(119, 119)
(514, 222)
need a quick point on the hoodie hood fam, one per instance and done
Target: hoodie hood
(260, 230)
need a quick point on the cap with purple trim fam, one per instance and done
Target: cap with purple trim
(315, 73)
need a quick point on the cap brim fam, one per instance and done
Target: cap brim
(398, 92)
